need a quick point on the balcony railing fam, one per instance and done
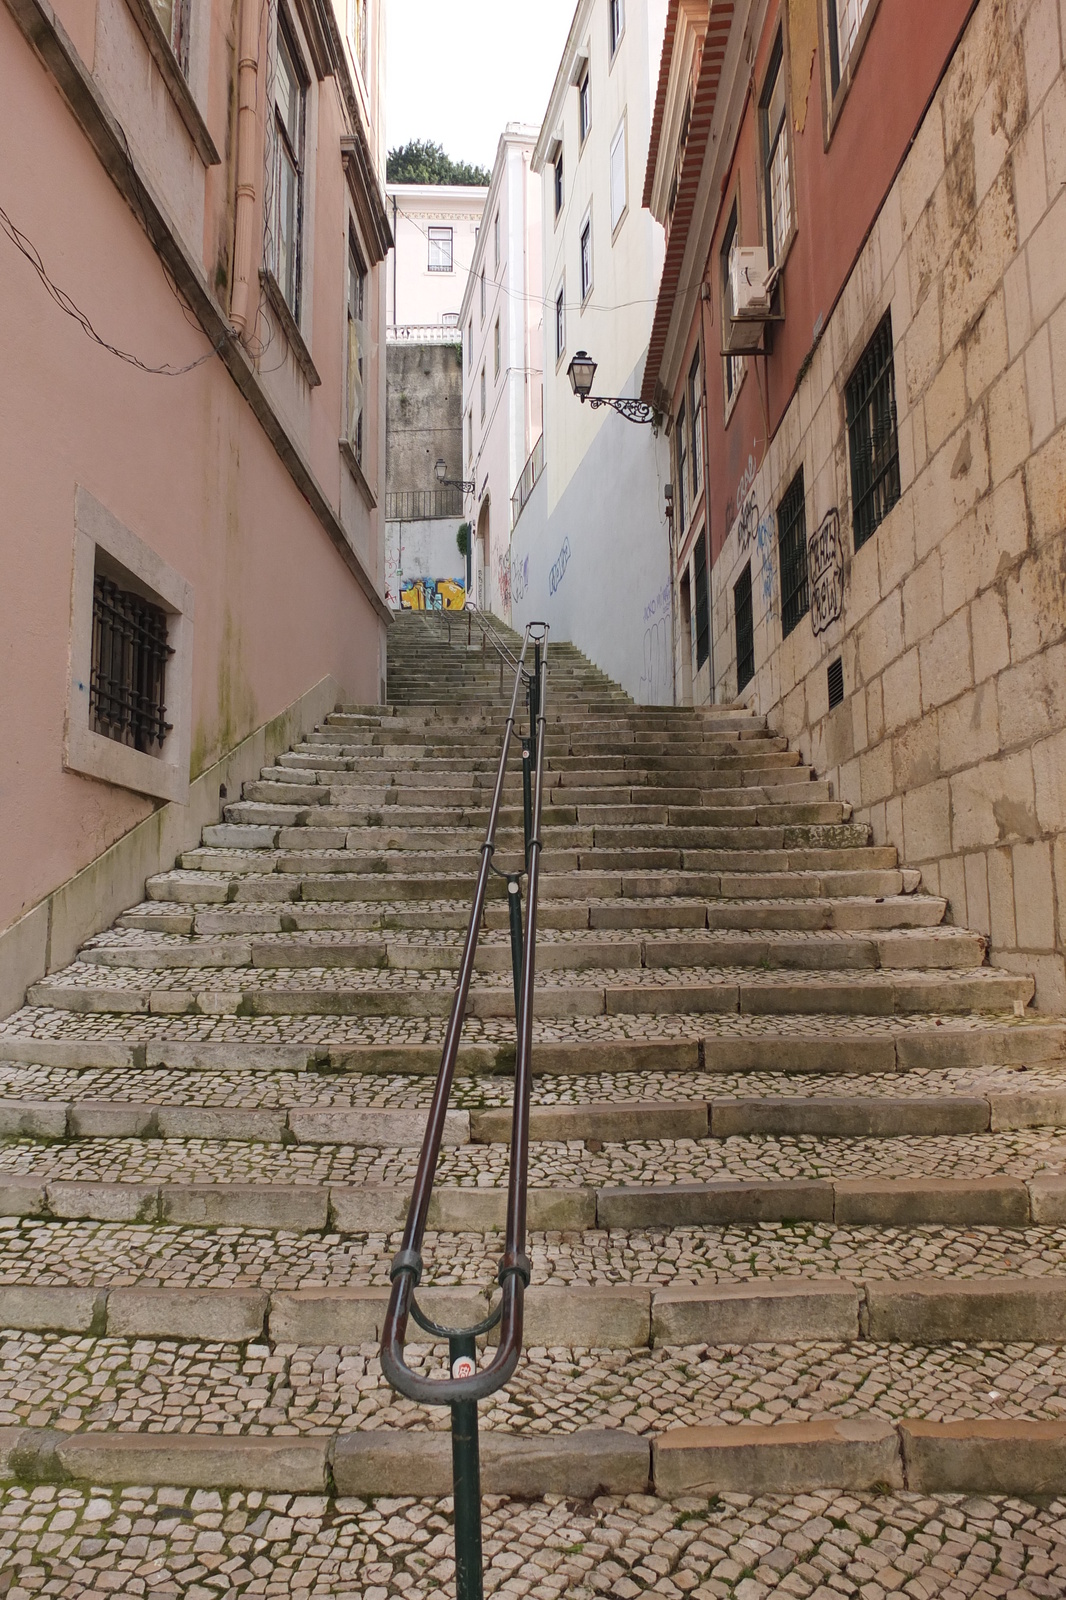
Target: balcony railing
(423, 333)
(531, 474)
(422, 505)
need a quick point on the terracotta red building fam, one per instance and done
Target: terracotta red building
(860, 347)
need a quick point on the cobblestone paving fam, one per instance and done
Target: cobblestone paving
(86, 1253)
(273, 1089)
(74, 1383)
(200, 1545)
(1019, 1154)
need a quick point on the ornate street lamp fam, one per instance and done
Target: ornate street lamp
(581, 372)
(441, 469)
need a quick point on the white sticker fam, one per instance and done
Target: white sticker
(463, 1367)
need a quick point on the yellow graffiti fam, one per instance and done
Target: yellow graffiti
(429, 594)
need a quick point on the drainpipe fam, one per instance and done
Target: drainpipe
(395, 263)
(247, 131)
(528, 409)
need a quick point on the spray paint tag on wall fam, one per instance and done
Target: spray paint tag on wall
(463, 1367)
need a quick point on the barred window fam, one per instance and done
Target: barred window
(127, 684)
(792, 555)
(872, 434)
(745, 626)
(703, 603)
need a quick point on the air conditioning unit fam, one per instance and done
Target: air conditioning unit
(750, 284)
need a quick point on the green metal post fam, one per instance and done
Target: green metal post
(514, 911)
(466, 1476)
(527, 795)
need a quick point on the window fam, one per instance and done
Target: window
(483, 295)
(356, 348)
(792, 555)
(287, 220)
(834, 682)
(483, 391)
(559, 181)
(777, 185)
(584, 105)
(870, 398)
(560, 323)
(845, 20)
(358, 33)
(695, 409)
(470, 436)
(616, 11)
(703, 603)
(682, 466)
(496, 239)
(733, 368)
(127, 685)
(174, 20)
(586, 259)
(496, 348)
(441, 254)
(619, 195)
(744, 622)
(449, 319)
(470, 343)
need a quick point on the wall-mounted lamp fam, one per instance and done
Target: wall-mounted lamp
(582, 371)
(441, 469)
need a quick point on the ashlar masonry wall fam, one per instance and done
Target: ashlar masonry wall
(951, 738)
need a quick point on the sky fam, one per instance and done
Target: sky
(458, 70)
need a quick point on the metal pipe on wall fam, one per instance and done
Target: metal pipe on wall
(247, 163)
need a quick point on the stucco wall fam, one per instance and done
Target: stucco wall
(427, 549)
(424, 414)
(596, 567)
(951, 740)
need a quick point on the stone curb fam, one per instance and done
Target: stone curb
(375, 1208)
(984, 1456)
(918, 1311)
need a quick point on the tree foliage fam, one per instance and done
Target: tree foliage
(421, 161)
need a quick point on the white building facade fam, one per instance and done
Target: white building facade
(591, 549)
(503, 377)
(434, 227)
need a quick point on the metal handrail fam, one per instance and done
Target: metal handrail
(489, 634)
(514, 1271)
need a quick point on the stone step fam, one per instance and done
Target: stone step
(663, 991)
(458, 849)
(909, 948)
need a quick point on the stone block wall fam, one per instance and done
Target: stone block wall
(951, 739)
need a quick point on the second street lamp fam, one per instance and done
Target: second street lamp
(582, 371)
(441, 469)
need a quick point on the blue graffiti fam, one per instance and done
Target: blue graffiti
(555, 576)
(764, 540)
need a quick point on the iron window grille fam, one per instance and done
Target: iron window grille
(835, 682)
(792, 555)
(441, 250)
(695, 407)
(745, 626)
(127, 684)
(777, 184)
(703, 603)
(845, 20)
(872, 434)
(290, 94)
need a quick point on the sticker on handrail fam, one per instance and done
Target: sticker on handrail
(463, 1367)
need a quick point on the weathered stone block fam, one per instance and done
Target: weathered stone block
(927, 822)
(988, 1456)
(762, 1311)
(37, 1308)
(939, 1310)
(604, 1317)
(275, 1463)
(995, 801)
(104, 1202)
(211, 1316)
(687, 1204)
(917, 1202)
(779, 1458)
(296, 1207)
(522, 1466)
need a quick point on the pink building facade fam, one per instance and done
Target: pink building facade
(193, 563)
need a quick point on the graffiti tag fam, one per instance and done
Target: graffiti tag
(503, 578)
(749, 524)
(659, 604)
(519, 578)
(432, 594)
(764, 543)
(555, 576)
(735, 505)
(825, 569)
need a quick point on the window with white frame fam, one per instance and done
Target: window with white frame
(730, 244)
(616, 22)
(290, 94)
(777, 178)
(695, 411)
(496, 239)
(441, 250)
(845, 20)
(470, 435)
(619, 194)
(560, 322)
(484, 392)
(496, 349)
(358, 33)
(557, 176)
(470, 342)
(173, 18)
(483, 295)
(584, 105)
(356, 348)
(586, 258)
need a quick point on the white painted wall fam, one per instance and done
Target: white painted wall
(497, 446)
(417, 297)
(421, 550)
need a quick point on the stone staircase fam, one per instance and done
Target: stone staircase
(797, 1190)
